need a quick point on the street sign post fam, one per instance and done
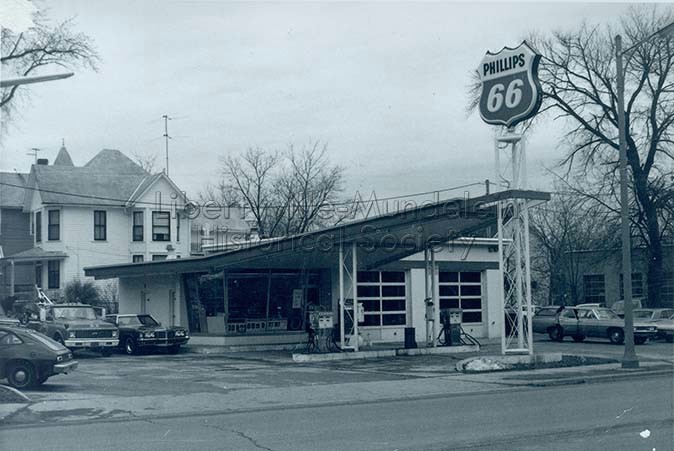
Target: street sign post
(511, 92)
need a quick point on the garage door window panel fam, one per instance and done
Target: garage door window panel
(383, 297)
(462, 290)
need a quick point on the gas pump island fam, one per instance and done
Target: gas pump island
(510, 95)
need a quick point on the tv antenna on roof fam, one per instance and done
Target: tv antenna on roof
(34, 152)
(167, 137)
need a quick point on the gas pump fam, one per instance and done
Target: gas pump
(451, 325)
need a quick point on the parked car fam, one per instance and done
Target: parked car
(582, 322)
(75, 326)
(29, 358)
(619, 307)
(653, 314)
(141, 331)
(666, 328)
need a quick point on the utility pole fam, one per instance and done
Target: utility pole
(166, 137)
(34, 152)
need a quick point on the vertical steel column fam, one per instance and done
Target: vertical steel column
(341, 295)
(430, 330)
(501, 275)
(354, 285)
(436, 302)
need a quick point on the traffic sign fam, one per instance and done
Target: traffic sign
(511, 92)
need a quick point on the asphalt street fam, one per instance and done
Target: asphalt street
(263, 400)
(626, 415)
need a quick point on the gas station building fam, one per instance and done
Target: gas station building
(400, 268)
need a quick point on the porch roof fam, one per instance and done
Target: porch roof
(33, 255)
(380, 240)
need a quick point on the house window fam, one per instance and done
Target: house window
(38, 226)
(100, 225)
(178, 227)
(161, 226)
(382, 294)
(54, 227)
(38, 275)
(637, 285)
(138, 258)
(594, 288)
(53, 274)
(462, 290)
(667, 285)
(158, 257)
(138, 226)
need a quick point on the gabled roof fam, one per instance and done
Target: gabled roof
(114, 160)
(63, 158)
(147, 183)
(11, 189)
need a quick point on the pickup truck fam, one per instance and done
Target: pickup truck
(75, 326)
(580, 322)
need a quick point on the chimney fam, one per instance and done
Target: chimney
(43, 161)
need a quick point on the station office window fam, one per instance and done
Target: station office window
(54, 227)
(138, 231)
(100, 225)
(38, 226)
(161, 226)
(594, 288)
(462, 290)
(53, 274)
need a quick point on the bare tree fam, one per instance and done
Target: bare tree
(41, 46)
(284, 192)
(224, 194)
(146, 161)
(561, 229)
(578, 79)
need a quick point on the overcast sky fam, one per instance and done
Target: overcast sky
(385, 85)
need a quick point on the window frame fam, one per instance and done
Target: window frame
(598, 297)
(98, 227)
(53, 228)
(38, 226)
(381, 312)
(53, 275)
(135, 226)
(166, 236)
(135, 258)
(457, 280)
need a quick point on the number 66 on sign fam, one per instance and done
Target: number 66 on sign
(511, 92)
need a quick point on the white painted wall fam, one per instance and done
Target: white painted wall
(156, 297)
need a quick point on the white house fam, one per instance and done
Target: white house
(108, 211)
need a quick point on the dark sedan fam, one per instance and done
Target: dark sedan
(28, 358)
(141, 331)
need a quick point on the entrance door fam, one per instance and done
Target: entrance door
(143, 302)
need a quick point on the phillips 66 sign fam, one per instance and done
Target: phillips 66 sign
(510, 89)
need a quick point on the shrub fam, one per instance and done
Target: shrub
(83, 292)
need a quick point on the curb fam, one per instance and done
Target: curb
(10, 395)
(549, 357)
(302, 358)
(598, 378)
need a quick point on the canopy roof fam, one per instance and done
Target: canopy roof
(380, 240)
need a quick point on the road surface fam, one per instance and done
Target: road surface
(626, 415)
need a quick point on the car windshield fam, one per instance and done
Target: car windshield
(51, 344)
(74, 313)
(606, 314)
(137, 320)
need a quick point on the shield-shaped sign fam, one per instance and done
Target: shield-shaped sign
(511, 92)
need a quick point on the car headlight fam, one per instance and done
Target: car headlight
(114, 333)
(59, 358)
(71, 334)
(180, 333)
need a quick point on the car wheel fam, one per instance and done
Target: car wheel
(21, 375)
(174, 349)
(578, 338)
(556, 333)
(640, 340)
(616, 336)
(130, 346)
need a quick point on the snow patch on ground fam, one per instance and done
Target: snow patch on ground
(485, 364)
